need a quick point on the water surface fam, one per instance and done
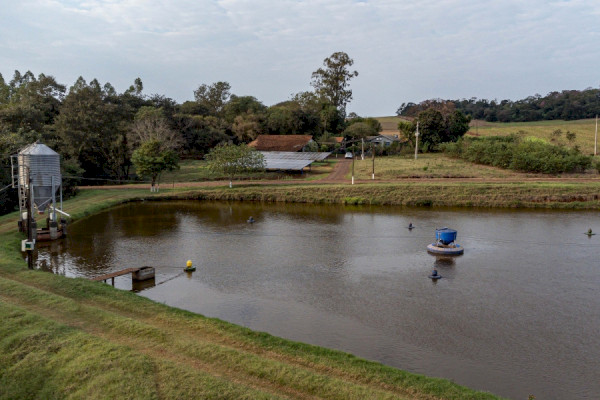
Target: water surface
(517, 314)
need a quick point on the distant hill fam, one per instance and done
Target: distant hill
(567, 105)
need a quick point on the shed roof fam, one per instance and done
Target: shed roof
(280, 142)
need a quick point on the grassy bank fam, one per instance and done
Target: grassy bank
(437, 194)
(73, 338)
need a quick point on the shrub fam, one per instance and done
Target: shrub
(519, 153)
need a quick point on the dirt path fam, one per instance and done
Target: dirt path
(341, 169)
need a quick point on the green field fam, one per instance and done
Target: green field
(434, 165)
(584, 130)
(197, 171)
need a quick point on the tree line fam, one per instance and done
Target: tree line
(97, 130)
(564, 105)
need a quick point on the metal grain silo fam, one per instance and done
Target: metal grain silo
(42, 165)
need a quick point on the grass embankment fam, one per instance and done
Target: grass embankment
(73, 338)
(442, 194)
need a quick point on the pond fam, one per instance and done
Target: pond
(517, 314)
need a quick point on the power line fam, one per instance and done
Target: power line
(6, 187)
(104, 179)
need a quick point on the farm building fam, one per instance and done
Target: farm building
(281, 142)
(383, 140)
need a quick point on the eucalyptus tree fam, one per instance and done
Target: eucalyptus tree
(92, 127)
(332, 81)
(213, 97)
(28, 103)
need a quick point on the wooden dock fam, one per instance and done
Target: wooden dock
(138, 273)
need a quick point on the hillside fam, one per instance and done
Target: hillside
(583, 128)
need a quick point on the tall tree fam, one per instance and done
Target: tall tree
(360, 130)
(92, 129)
(30, 103)
(241, 106)
(332, 81)
(213, 97)
(247, 127)
(150, 124)
(435, 128)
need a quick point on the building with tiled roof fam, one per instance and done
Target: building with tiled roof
(281, 142)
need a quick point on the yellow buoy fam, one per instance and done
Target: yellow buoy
(189, 267)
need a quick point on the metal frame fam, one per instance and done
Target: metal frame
(26, 190)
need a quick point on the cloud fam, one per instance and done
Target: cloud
(404, 51)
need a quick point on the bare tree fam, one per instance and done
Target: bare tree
(151, 125)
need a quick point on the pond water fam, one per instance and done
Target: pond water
(517, 314)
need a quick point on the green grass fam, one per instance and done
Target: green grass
(197, 171)
(584, 129)
(438, 165)
(430, 165)
(390, 123)
(74, 338)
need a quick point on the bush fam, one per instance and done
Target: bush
(518, 153)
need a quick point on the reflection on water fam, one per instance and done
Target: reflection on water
(517, 314)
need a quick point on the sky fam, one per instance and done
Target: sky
(404, 51)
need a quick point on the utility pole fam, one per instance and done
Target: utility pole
(362, 147)
(416, 140)
(353, 164)
(373, 151)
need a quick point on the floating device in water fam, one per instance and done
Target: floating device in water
(589, 232)
(250, 220)
(444, 243)
(189, 267)
(434, 275)
(410, 226)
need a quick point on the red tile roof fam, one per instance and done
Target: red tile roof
(280, 142)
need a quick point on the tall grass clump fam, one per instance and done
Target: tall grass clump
(519, 153)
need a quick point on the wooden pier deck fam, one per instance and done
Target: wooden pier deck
(137, 274)
(113, 275)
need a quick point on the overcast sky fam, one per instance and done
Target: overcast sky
(403, 50)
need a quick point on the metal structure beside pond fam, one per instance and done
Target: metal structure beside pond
(37, 178)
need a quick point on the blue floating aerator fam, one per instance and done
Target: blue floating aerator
(445, 235)
(444, 243)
